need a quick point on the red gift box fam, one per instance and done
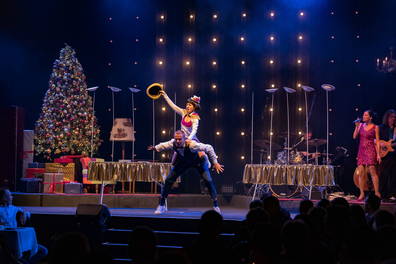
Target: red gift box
(53, 183)
(33, 172)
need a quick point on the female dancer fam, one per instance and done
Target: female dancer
(190, 119)
(368, 153)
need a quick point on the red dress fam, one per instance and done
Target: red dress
(367, 154)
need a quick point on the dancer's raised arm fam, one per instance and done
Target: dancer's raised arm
(172, 105)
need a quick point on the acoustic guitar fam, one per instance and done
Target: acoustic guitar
(386, 147)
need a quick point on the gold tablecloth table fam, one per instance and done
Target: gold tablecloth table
(112, 172)
(300, 175)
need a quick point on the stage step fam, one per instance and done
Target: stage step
(120, 250)
(169, 238)
(168, 224)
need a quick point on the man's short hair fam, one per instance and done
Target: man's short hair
(179, 132)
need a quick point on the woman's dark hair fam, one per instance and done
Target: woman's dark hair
(371, 113)
(386, 116)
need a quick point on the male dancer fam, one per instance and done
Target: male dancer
(187, 158)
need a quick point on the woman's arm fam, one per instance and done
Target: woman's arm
(356, 131)
(175, 108)
(377, 143)
(195, 124)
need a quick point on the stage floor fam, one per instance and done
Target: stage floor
(228, 213)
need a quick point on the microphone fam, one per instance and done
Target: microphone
(358, 120)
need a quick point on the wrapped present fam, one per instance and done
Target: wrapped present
(36, 165)
(53, 182)
(72, 187)
(67, 169)
(30, 185)
(34, 172)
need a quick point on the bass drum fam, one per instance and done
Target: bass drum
(283, 191)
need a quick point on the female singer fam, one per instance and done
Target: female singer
(368, 153)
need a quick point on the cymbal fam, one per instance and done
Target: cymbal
(265, 143)
(315, 142)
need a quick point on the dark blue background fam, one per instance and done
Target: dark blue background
(33, 32)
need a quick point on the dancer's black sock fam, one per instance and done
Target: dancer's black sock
(162, 201)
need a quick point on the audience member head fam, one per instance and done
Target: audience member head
(386, 243)
(211, 223)
(337, 221)
(256, 216)
(358, 219)
(142, 245)
(68, 248)
(295, 238)
(383, 218)
(372, 203)
(5, 197)
(256, 204)
(305, 205)
(324, 203)
(264, 243)
(340, 201)
(271, 205)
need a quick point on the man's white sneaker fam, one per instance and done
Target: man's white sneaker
(160, 209)
(217, 209)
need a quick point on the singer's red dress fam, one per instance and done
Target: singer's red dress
(367, 154)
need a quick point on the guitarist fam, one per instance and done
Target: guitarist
(387, 167)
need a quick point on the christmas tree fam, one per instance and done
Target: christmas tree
(67, 124)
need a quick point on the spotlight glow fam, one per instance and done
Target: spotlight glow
(214, 86)
(218, 133)
(215, 16)
(301, 13)
(242, 133)
(163, 132)
(216, 110)
(214, 63)
(160, 62)
(163, 109)
(272, 14)
(271, 110)
(242, 109)
(299, 61)
(272, 85)
(300, 37)
(242, 39)
(162, 17)
(243, 62)
(189, 39)
(243, 86)
(299, 109)
(271, 61)
(187, 63)
(161, 40)
(244, 15)
(163, 155)
(192, 16)
(189, 85)
(272, 38)
(242, 157)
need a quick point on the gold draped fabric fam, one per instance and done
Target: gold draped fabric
(128, 172)
(303, 175)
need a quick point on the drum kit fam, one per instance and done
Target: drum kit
(295, 154)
